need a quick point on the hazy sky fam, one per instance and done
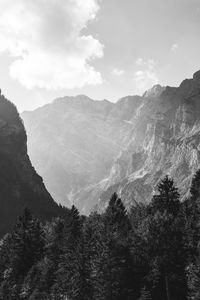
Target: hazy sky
(104, 49)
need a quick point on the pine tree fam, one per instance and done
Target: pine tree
(26, 248)
(94, 247)
(27, 244)
(166, 241)
(43, 274)
(145, 294)
(70, 273)
(191, 213)
(140, 250)
(4, 255)
(113, 274)
(193, 275)
(110, 255)
(167, 198)
(195, 186)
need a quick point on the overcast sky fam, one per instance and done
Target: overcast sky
(105, 49)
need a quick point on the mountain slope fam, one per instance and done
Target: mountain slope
(87, 149)
(73, 143)
(165, 140)
(20, 186)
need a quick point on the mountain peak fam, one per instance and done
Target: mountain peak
(189, 87)
(196, 77)
(127, 146)
(155, 91)
(82, 97)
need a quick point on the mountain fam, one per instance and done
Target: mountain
(165, 140)
(74, 142)
(85, 149)
(20, 185)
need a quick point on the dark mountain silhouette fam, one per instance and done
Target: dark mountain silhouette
(20, 185)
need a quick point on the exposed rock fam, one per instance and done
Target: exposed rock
(88, 149)
(165, 140)
(155, 91)
(196, 78)
(74, 142)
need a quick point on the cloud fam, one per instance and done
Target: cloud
(146, 76)
(118, 72)
(140, 61)
(46, 42)
(174, 47)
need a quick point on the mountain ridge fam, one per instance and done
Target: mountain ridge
(20, 185)
(129, 145)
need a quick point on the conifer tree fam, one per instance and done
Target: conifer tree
(43, 274)
(145, 294)
(193, 275)
(26, 248)
(140, 248)
(70, 273)
(27, 244)
(113, 264)
(191, 213)
(166, 241)
(167, 198)
(143, 255)
(195, 185)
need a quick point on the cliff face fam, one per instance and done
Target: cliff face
(165, 140)
(73, 143)
(20, 186)
(89, 149)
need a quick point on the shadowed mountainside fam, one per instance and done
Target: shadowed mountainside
(20, 185)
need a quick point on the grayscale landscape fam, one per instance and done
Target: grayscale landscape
(99, 150)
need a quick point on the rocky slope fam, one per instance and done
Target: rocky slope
(74, 142)
(87, 149)
(20, 186)
(165, 140)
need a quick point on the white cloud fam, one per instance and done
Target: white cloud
(146, 76)
(118, 72)
(46, 42)
(174, 47)
(140, 61)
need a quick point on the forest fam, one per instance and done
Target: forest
(145, 252)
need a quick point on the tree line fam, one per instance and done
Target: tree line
(150, 252)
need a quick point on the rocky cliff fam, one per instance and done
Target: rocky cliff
(87, 149)
(20, 185)
(165, 140)
(74, 142)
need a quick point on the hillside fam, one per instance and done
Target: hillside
(20, 185)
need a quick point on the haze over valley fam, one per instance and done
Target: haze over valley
(86, 149)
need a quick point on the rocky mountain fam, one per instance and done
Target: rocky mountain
(86, 149)
(20, 185)
(74, 142)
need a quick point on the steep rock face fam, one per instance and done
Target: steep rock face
(155, 91)
(165, 140)
(85, 150)
(74, 142)
(20, 186)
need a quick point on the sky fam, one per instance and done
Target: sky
(105, 49)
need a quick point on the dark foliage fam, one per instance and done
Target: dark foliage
(149, 253)
(20, 186)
